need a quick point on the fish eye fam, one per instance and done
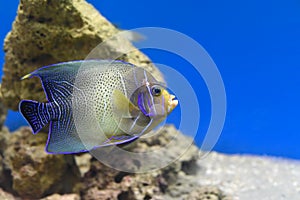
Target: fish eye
(156, 90)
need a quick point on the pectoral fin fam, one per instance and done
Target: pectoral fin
(132, 120)
(123, 106)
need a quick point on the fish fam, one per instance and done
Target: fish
(96, 103)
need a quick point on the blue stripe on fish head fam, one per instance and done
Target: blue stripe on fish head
(141, 104)
(143, 95)
(151, 103)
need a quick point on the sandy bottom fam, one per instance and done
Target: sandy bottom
(251, 177)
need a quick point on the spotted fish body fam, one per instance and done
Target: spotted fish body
(95, 103)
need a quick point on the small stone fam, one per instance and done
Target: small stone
(83, 162)
(62, 197)
(6, 196)
(207, 193)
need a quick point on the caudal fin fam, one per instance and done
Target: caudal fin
(32, 114)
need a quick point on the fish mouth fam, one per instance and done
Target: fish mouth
(173, 102)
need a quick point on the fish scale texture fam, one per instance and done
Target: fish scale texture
(99, 86)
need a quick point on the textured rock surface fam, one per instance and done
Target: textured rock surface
(103, 182)
(5, 175)
(4, 136)
(207, 193)
(83, 161)
(6, 196)
(47, 32)
(35, 173)
(3, 110)
(1, 169)
(217, 175)
(62, 197)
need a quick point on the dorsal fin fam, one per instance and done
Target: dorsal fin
(64, 74)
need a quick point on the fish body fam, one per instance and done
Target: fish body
(96, 103)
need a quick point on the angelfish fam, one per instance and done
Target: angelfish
(96, 103)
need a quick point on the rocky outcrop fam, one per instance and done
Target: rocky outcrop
(35, 173)
(3, 110)
(102, 182)
(32, 173)
(176, 181)
(47, 32)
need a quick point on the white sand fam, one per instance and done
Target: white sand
(251, 177)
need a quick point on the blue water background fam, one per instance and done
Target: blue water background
(256, 46)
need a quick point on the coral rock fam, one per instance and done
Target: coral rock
(47, 32)
(3, 111)
(103, 182)
(6, 196)
(34, 172)
(5, 176)
(207, 193)
(1, 169)
(4, 136)
(62, 197)
(83, 161)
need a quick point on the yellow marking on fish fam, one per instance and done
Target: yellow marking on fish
(26, 76)
(123, 105)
